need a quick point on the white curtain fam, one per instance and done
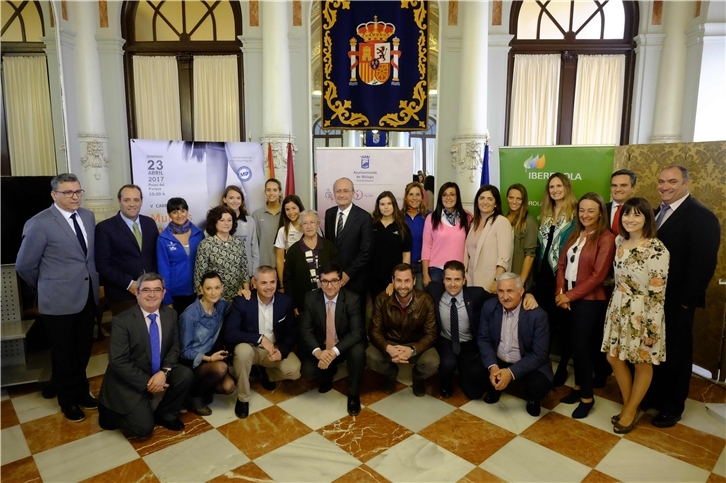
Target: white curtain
(156, 89)
(27, 105)
(598, 99)
(216, 98)
(535, 97)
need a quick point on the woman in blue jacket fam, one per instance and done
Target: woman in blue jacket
(176, 251)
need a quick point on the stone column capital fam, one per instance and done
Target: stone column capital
(468, 154)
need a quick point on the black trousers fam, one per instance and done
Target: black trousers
(536, 384)
(672, 378)
(559, 319)
(450, 362)
(588, 319)
(140, 420)
(71, 339)
(354, 356)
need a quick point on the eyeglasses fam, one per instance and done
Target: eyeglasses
(574, 251)
(148, 291)
(70, 194)
(330, 282)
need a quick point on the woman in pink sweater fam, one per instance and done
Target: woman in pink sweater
(444, 233)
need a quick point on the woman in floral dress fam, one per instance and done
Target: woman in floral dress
(634, 326)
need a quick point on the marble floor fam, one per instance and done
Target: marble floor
(295, 434)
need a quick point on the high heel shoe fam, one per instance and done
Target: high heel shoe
(615, 419)
(571, 398)
(620, 429)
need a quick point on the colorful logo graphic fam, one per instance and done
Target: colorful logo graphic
(365, 161)
(374, 59)
(535, 162)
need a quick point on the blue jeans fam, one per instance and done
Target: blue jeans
(436, 274)
(418, 273)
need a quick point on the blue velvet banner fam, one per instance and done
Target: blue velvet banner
(375, 65)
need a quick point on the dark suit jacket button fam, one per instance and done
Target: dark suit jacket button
(85, 278)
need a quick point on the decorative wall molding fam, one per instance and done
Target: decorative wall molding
(94, 149)
(665, 139)
(468, 153)
(279, 149)
(250, 44)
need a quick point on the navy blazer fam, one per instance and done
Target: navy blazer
(118, 258)
(533, 335)
(129, 357)
(243, 324)
(692, 235)
(348, 323)
(474, 298)
(354, 244)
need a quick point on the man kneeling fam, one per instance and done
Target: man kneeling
(513, 343)
(142, 366)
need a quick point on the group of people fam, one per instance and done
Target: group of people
(271, 294)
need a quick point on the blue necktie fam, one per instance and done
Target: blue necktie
(79, 234)
(155, 345)
(661, 214)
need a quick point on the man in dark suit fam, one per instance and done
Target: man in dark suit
(125, 248)
(692, 234)
(622, 188)
(449, 297)
(351, 229)
(56, 258)
(142, 366)
(330, 328)
(514, 343)
(263, 331)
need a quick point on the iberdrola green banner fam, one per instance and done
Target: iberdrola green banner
(588, 167)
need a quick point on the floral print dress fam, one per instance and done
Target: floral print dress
(636, 307)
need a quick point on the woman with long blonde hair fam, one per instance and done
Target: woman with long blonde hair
(524, 229)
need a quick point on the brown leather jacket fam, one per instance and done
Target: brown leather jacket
(417, 328)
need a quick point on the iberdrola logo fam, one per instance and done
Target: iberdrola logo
(535, 162)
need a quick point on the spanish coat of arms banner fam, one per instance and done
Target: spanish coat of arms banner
(375, 65)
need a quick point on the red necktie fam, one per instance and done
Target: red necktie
(330, 327)
(616, 220)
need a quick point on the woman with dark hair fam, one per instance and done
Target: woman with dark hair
(288, 232)
(583, 266)
(488, 248)
(199, 343)
(444, 234)
(224, 253)
(415, 214)
(634, 324)
(234, 198)
(176, 251)
(524, 233)
(305, 257)
(391, 243)
(557, 220)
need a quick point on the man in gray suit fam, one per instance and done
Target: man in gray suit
(56, 258)
(142, 366)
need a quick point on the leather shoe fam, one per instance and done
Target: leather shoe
(88, 402)
(73, 413)
(665, 420)
(446, 391)
(571, 398)
(533, 408)
(266, 382)
(390, 385)
(418, 387)
(173, 424)
(197, 406)
(242, 409)
(492, 396)
(353, 405)
(325, 386)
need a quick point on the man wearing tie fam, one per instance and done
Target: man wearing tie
(514, 344)
(56, 258)
(351, 229)
(692, 235)
(142, 366)
(263, 331)
(125, 248)
(622, 188)
(330, 327)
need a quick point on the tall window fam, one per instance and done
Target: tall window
(424, 148)
(171, 36)
(560, 48)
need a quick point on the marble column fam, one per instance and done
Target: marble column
(469, 142)
(672, 74)
(648, 50)
(91, 123)
(276, 92)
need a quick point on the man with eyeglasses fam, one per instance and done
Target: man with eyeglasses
(125, 249)
(403, 331)
(351, 229)
(330, 333)
(143, 367)
(56, 258)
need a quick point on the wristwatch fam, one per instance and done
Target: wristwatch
(166, 370)
(414, 352)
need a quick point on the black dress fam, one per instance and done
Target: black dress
(388, 249)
